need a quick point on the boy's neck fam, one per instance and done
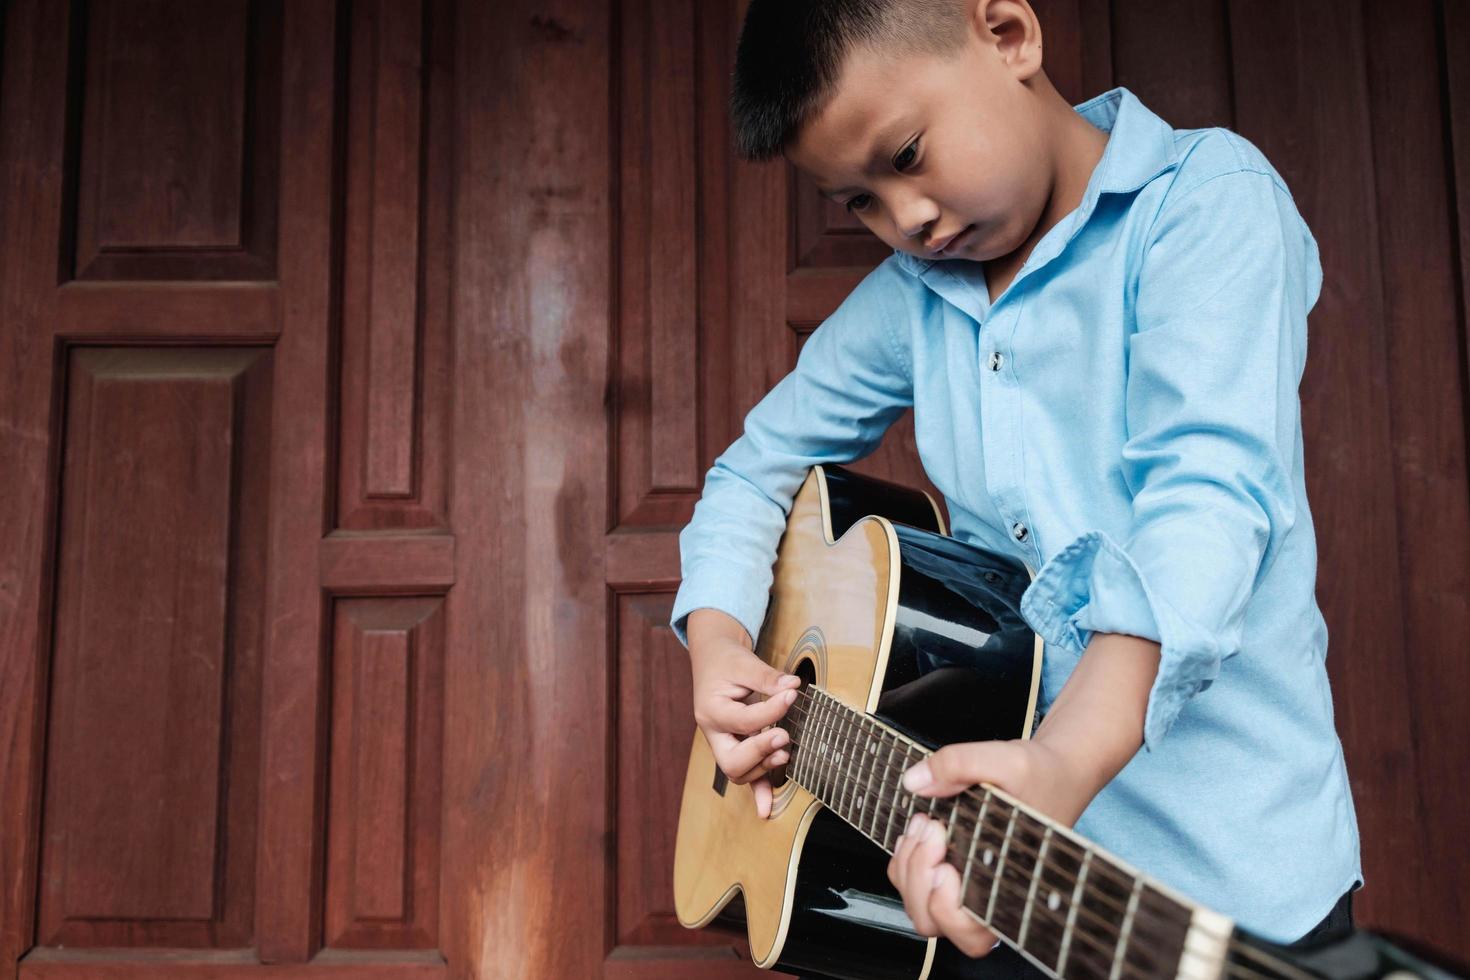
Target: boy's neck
(1077, 146)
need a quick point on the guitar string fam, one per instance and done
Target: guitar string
(1119, 876)
(1107, 924)
(1138, 946)
(881, 800)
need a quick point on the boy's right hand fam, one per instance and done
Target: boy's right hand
(729, 681)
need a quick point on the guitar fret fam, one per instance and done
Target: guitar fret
(1000, 866)
(1052, 903)
(1128, 915)
(1167, 924)
(868, 766)
(824, 769)
(812, 745)
(1016, 873)
(908, 754)
(897, 793)
(796, 732)
(974, 840)
(850, 759)
(1031, 893)
(834, 754)
(834, 771)
(1072, 912)
(882, 810)
(844, 769)
(876, 797)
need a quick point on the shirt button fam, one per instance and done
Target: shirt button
(1018, 531)
(996, 360)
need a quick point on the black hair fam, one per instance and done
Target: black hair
(791, 51)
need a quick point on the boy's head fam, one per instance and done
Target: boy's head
(929, 119)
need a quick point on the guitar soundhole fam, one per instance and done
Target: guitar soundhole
(806, 669)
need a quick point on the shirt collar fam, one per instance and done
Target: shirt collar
(1140, 147)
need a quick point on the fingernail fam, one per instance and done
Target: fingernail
(779, 739)
(933, 831)
(779, 759)
(915, 822)
(790, 680)
(790, 696)
(917, 778)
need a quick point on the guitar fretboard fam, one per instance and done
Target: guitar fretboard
(1070, 907)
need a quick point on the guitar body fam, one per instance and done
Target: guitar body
(874, 603)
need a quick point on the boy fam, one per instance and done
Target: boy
(1100, 323)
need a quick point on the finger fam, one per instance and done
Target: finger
(902, 848)
(919, 874)
(729, 715)
(762, 789)
(961, 928)
(738, 756)
(758, 675)
(961, 765)
(772, 761)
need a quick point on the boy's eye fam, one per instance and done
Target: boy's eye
(906, 156)
(903, 161)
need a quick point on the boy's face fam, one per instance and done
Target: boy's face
(940, 156)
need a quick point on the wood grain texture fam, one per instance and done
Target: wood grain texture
(288, 913)
(156, 691)
(527, 709)
(383, 869)
(1303, 94)
(176, 181)
(32, 116)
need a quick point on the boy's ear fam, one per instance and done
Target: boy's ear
(1011, 27)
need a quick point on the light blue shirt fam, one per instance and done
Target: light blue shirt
(1125, 420)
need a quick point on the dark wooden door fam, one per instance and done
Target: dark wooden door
(225, 303)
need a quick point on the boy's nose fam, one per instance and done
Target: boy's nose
(915, 217)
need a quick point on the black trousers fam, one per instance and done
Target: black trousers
(1004, 963)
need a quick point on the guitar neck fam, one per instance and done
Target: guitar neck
(1068, 906)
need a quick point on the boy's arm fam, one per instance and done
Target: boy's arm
(1213, 419)
(850, 383)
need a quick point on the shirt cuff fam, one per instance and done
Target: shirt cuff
(720, 592)
(1094, 585)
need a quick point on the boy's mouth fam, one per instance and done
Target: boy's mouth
(939, 249)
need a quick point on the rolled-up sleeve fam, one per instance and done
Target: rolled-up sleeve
(851, 381)
(1228, 276)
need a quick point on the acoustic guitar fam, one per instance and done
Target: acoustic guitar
(906, 639)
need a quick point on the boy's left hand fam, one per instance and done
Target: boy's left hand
(1032, 771)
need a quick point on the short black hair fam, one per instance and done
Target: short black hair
(791, 51)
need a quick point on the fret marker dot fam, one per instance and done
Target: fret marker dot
(989, 856)
(1053, 901)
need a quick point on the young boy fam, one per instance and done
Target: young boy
(1100, 323)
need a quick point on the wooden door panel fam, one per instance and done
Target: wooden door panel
(157, 651)
(233, 531)
(170, 180)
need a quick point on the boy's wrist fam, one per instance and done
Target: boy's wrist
(707, 624)
(1095, 725)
